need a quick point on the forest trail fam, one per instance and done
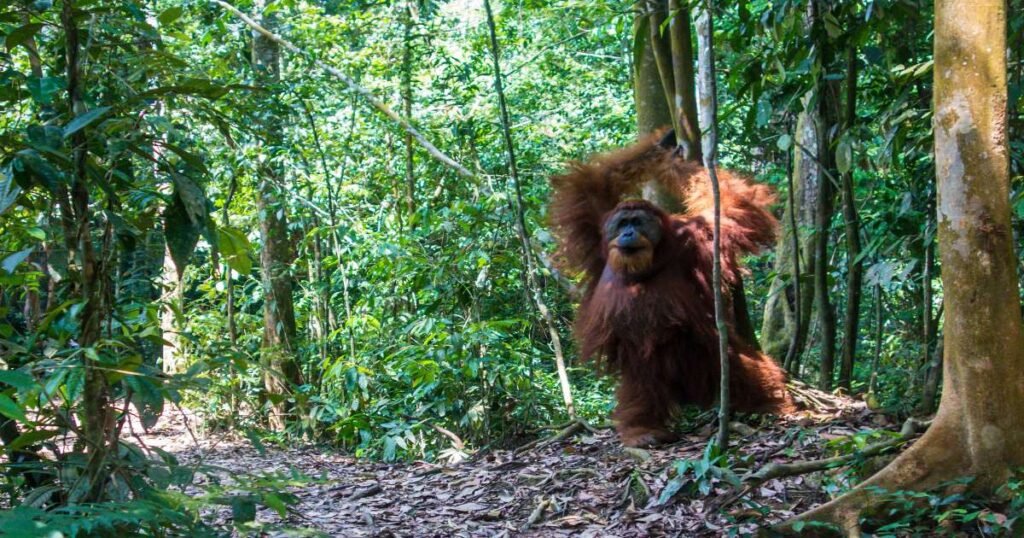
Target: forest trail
(584, 485)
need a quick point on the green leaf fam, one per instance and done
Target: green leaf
(243, 509)
(181, 233)
(10, 409)
(9, 191)
(235, 248)
(83, 120)
(11, 262)
(197, 207)
(43, 89)
(170, 15)
(22, 34)
(30, 438)
(34, 169)
(784, 142)
(19, 380)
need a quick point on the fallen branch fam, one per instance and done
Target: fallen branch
(572, 428)
(538, 512)
(365, 492)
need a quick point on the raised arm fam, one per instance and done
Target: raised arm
(747, 224)
(584, 195)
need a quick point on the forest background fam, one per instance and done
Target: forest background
(344, 239)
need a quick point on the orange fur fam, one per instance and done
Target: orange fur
(652, 321)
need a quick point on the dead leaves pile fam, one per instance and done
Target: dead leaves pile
(584, 485)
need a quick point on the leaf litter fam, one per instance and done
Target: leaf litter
(583, 485)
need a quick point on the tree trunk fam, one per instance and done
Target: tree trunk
(97, 415)
(709, 117)
(410, 177)
(781, 330)
(524, 238)
(281, 372)
(976, 431)
(854, 266)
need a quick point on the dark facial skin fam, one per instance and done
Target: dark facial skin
(632, 230)
(632, 236)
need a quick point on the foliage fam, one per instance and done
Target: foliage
(413, 313)
(700, 476)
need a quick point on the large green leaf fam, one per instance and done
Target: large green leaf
(235, 248)
(8, 190)
(11, 262)
(10, 409)
(80, 122)
(43, 89)
(844, 155)
(180, 232)
(22, 34)
(198, 209)
(32, 169)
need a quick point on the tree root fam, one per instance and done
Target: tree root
(770, 471)
(937, 457)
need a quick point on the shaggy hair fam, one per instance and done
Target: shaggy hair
(657, 330)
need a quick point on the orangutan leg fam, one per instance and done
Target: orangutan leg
(643, 412)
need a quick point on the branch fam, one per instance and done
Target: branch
(354, 86)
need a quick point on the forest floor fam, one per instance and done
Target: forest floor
(584, 484)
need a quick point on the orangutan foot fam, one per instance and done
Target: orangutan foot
(646, 437)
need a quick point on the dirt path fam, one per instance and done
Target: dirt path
(585, 485)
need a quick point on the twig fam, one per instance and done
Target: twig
(537, 513)
(574, 427)
(365, 492)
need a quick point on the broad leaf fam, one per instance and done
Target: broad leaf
(181, 233)
(10, 409)
(8, 190)
(83, 120)
(11, 262)
(22, 34)
(235, 248)
(170, 15)
(844, 155)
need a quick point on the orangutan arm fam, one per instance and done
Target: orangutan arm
(583, 196)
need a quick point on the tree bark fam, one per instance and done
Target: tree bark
(783, 334)
(410, 177)
(281, 372)
(976, 431)
(97, 415)
(709, 118)
(854, 266)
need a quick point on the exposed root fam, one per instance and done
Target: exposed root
(938, 457)
(770, 471)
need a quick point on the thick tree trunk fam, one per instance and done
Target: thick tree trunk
(281, 372)
(781, 330)
(976, 431)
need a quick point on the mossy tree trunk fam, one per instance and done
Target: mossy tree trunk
(977, 430)
(281, 372)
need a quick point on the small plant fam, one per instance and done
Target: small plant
(699, 476)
